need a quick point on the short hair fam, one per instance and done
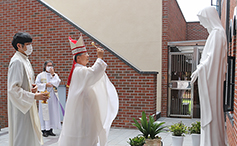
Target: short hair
(22, 38)
(75, 58)
(45, 63)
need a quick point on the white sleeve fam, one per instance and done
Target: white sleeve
(20, 98)
(94, 73)
(55, 81)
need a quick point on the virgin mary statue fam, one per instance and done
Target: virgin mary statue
(211, 75)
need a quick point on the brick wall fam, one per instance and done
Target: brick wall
(176, 22)
(232, 47)
(232, 7)
(137, 92)
(173, 29)
(231, 129)
(195, 31)
(223, 13)
(230, 133)
(164, 96)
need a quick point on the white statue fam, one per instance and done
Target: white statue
(211, 75)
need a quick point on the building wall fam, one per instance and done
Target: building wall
(232, 7)
(133, 29)
(231, 128)
(137, 92)
(131, 26)
(176, 22)
(195, 31)
(223, 13)
(230, 133)
(173, 29)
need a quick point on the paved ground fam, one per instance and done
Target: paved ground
(117, 137)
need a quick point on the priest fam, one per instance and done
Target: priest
(92, 102)
(23, 119)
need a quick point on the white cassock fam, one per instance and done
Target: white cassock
(23, 119)
(53, 102)
(211, 76)
(91, 107)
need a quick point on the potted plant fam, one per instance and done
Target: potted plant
(150, 129)
(178, 130)
(195, 131)
(137, 141)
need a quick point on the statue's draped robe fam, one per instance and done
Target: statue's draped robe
(211, 76)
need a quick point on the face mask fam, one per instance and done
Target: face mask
(48, 68)
(29, 49)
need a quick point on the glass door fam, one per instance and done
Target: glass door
(183, 98)
(180, 91)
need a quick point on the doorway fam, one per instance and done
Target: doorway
(183, 98)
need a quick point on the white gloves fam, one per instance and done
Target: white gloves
(194, 76)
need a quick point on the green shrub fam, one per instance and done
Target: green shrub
(149, 128)
(137, 141)
(195, 128)
(178, 129)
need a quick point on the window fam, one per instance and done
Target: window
(229, 85)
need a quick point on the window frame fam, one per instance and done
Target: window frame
(229, 85)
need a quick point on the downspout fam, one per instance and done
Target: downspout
(227, 23)
(219, 8)
(228, 40)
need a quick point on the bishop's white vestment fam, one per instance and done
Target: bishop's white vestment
(53, 102)
(23, 119)
(91, 107)
(211, 76)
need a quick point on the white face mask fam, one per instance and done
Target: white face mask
(48, 68)
(29, 49)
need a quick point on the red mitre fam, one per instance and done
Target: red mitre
(76, 47)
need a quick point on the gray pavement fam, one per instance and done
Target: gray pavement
(117, 136)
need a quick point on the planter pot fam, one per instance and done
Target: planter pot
(195, 139)
(177, 140)
(152, 142)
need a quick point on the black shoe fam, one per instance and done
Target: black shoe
(50, 132)
(45, 133)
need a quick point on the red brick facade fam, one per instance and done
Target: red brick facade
(195, 31)
(175, 28)
(137, 92)
(230, 133)
(231, 126)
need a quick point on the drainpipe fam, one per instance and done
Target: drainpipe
(219, 8)
(227, 35)
(227, 22)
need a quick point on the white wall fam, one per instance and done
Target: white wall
(131, 28)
